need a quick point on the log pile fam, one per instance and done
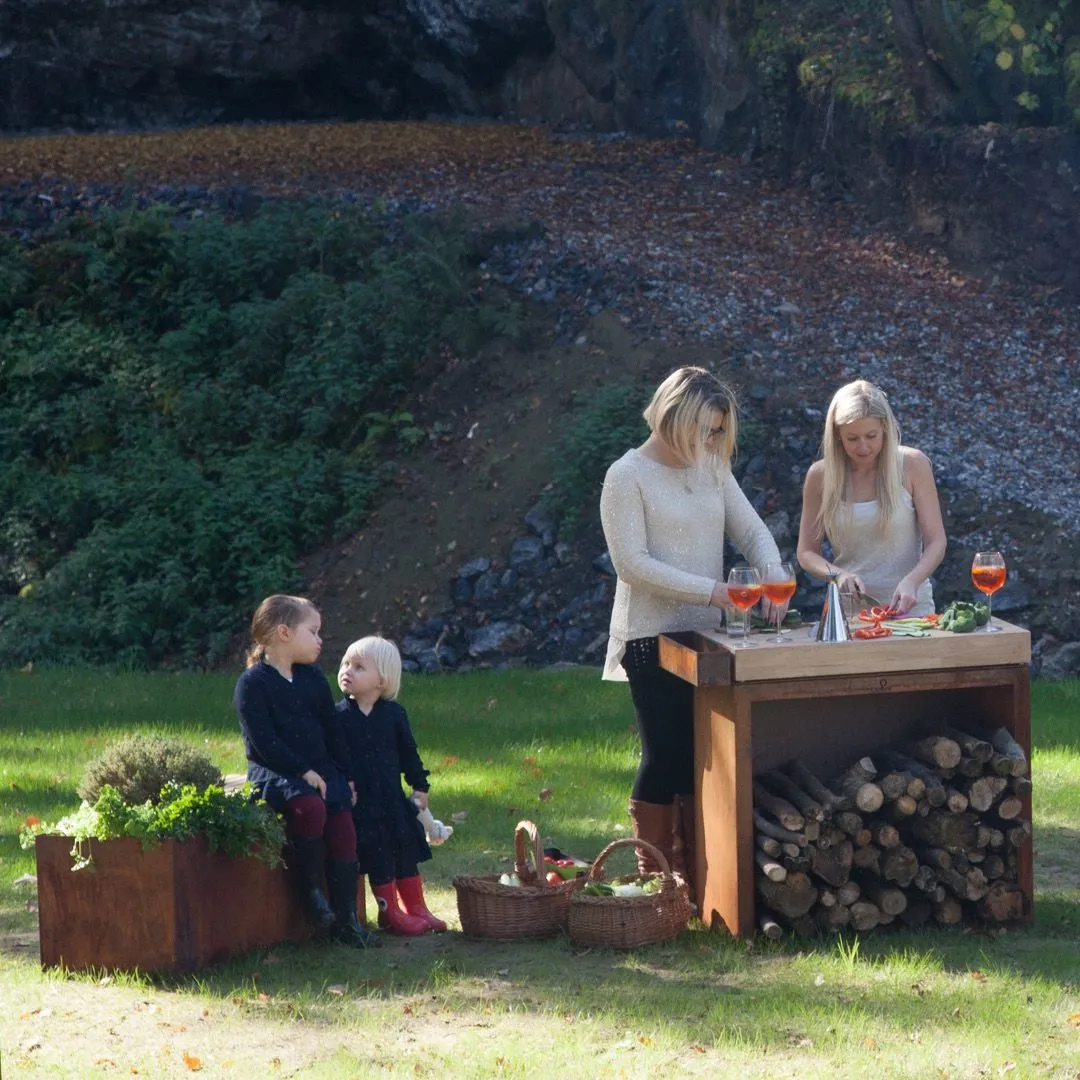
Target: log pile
(930, 830)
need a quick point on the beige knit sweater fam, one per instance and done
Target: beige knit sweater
(665, 531)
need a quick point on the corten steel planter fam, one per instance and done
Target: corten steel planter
(172, 907)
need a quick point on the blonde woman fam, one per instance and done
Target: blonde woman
(875, 502)
(665, 507)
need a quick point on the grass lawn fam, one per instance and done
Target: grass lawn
(930, 1004)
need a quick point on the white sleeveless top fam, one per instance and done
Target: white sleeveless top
(882, 560)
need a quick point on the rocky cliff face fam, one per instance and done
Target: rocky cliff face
(646, 65)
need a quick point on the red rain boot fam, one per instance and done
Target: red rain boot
(411, 891)
(391, 917)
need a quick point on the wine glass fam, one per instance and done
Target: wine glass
(988, 574)
(744, 591)
(778, 587)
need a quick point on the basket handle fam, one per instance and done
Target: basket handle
(526, 830)
(596, 870)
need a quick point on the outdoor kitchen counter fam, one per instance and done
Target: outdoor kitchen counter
(829, 705)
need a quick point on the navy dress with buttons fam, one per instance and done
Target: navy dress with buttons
(390, 841)
(289, 728)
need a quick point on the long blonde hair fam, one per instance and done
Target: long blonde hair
(859, 400)
(679, 414)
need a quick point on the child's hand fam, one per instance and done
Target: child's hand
(315, 780)
(420, 798)
(352, 788)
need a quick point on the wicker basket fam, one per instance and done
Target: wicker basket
(625, 922)
(508, 912)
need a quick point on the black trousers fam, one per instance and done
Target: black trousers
(664, 708)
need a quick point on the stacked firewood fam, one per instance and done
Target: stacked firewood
(929, 830)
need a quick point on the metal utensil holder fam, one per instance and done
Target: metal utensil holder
(832, 627)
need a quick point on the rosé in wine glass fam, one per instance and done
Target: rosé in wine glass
(988, 574)
(744, 591)
(778, 587)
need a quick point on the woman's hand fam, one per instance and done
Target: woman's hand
(903, 598)
(420, 798)
(769, 610)
(315, 780)
(850, 583)
(352, 788)
(719, 597)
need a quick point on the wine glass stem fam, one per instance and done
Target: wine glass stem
(989, 610)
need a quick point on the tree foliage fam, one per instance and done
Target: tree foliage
(951, 61)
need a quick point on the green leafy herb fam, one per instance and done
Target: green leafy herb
(232, 824)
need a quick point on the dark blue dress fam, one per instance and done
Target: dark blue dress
(390, 840)
(288, 728)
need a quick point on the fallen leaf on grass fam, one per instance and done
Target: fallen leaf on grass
(337, 989)
(192, 1062)
(978, 976)
(645, 1040)
(1074, 1020)
(105, 1063)
(406, 1010)
(869, 1043)
(545, 794)
(697, 1048)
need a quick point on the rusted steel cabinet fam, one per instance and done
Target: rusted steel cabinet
(828, 704)
(172, 907)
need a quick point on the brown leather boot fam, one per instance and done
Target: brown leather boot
(654, 823)
(684, 851)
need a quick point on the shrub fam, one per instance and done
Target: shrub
(605, 423)
(189, 406)
(138, 767)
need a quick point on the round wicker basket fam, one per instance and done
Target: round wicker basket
(625, 922)
(508, 912)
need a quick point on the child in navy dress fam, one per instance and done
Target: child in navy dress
(298, 760)
(390, 841)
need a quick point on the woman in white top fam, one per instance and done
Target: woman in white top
(665, 508)
(876, 503)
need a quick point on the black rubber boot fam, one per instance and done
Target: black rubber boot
(341, 879)
(308, 859)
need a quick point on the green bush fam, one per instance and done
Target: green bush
(138, 767)
(604, 424)
(188, 406)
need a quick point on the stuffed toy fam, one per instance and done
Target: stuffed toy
(437, 833)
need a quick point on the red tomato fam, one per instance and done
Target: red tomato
(554, 878)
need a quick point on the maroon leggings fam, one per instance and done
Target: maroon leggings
(307, 819)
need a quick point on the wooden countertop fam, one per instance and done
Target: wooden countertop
(711, 658)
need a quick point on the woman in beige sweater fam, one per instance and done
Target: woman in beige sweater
(665, 508)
